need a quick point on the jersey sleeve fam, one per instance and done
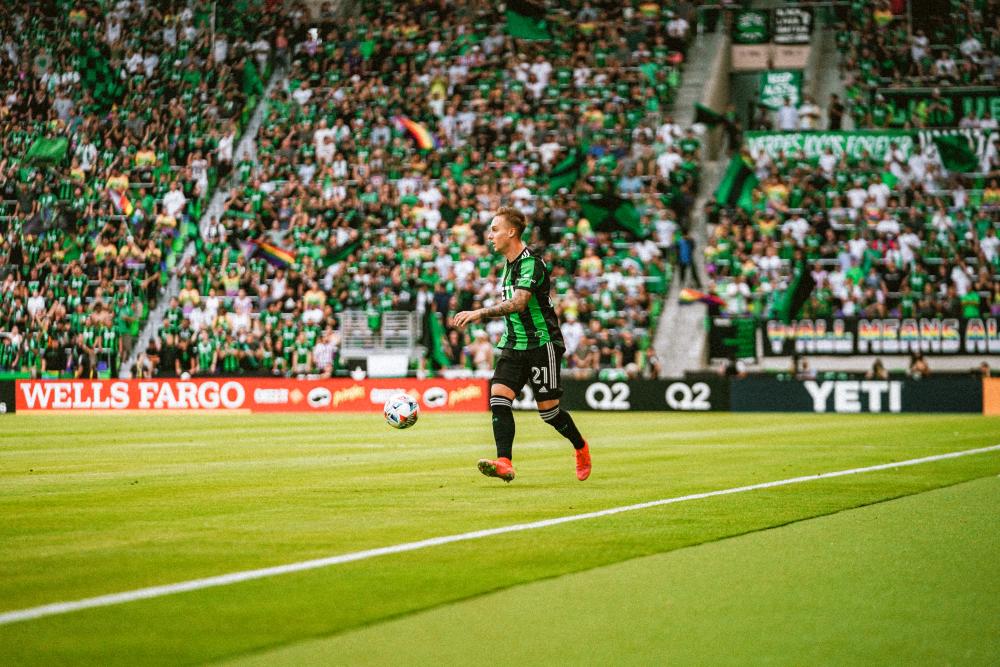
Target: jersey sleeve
(530, 274)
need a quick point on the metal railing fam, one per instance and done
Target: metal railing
(397, 331)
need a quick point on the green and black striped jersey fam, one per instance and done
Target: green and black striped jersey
(538, 324)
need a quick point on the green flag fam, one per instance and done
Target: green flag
(566, 173)
(526, 20)
(956, 153)
(796, 294)
(706, 116)
(613, 213)
(47, 149)
(736, 188)
(97, 77)
(434, 340)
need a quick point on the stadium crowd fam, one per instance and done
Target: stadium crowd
(884, 53)
(116, 122)
(883, 238)
(345, 209)
(894, 236)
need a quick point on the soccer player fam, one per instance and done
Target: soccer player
(530, 349)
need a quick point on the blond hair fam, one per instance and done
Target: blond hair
(514, 218)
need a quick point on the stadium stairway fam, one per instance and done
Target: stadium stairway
(680, 341)
(247, 147)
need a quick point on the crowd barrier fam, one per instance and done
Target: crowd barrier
(756, 393)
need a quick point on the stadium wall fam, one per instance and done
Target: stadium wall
(757, 393)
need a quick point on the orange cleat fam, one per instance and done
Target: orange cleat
(501, 468)
(583, 462)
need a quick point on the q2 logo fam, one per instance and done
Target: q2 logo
(680, 396)
(600, 396)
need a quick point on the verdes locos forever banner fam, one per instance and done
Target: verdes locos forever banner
(247, 394)
(850, 336)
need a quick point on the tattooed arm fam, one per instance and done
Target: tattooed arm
(513, 305)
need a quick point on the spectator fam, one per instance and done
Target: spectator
(787, 117)
(877, 371)
(686, 260)
(918, 366)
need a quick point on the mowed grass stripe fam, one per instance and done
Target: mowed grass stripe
(861, 586)
(228, 579)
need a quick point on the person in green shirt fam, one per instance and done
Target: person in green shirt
(206, 355)
(970, 302)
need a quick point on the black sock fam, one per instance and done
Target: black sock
(503, 425)
(562, 422)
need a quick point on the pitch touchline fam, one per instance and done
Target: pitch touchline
(249, 575)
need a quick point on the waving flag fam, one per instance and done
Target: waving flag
(121, 202)
(277, 256)
(425, 140)
(689, 295)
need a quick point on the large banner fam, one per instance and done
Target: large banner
(776, 85)
(696, 395)
(7, 404)
(247, 395)
(882, 336)
(944, 393)
(813, 144)
(877, 143)
(751, 27)
(792, 25)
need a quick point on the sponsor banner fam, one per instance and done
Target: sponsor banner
(7, 404)
(248, 394)
(813, 144)
(991, 396)
(751, 27)
(792, 25)
(851, 336)
(937, 393)
(696, 395)
(776, 85)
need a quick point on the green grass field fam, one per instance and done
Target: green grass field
(830, 570)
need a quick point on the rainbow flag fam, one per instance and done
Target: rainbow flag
(275, 255)
(121, 202)
(425, 140)
(689, 295)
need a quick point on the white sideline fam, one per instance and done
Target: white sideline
(249, 575)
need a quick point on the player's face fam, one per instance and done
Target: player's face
(499, 234)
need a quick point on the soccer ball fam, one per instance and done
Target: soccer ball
(401, 411)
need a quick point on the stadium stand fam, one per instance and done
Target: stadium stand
(900, 75)
(360, 225)
(116, 123)
(916, 247)
(904, 234)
